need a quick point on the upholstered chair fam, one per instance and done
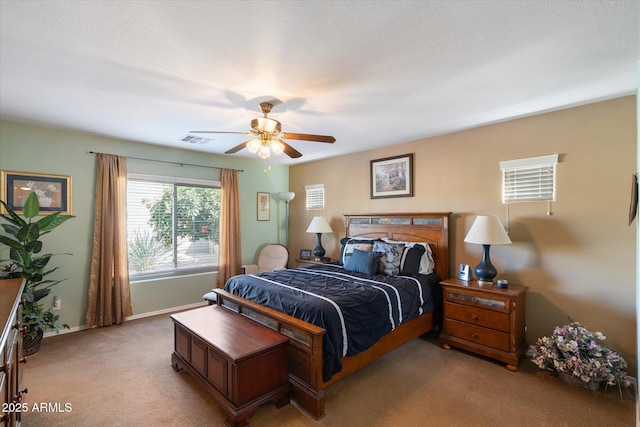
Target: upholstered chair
(272, 257)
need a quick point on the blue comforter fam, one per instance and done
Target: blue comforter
(356, 310)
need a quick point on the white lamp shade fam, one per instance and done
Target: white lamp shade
(319, 224)
(487, 230)
(287, 196)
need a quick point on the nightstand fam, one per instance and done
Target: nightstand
(485, 320)
(308, 262)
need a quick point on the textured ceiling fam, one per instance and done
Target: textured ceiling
(370, 73)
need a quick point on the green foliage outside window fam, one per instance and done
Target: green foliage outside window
(198, 214)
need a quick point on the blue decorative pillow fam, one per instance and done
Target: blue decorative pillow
(363, 262)
(391, 256)
(348, 245)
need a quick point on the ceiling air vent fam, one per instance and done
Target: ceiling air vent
(195, 139)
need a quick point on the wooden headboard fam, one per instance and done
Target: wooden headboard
(429, 227)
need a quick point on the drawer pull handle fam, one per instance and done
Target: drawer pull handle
(474, 316)
(474, 335)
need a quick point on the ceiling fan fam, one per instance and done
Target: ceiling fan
(267, 136)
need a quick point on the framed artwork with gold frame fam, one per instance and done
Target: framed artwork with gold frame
(53, 191)
(264, 200)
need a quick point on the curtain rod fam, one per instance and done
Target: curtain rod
(166, 161)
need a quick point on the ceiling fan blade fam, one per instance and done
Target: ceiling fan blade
(290, 151)
(237, 147)
(218, 131)
(308, 137)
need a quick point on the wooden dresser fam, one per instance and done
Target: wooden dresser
(241, 363)
(11, 358)
(485, 319)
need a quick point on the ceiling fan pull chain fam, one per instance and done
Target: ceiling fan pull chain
(267, 169)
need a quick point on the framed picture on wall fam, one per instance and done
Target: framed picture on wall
(53, 191)
(392, 177)
(264, 200)
(305, 254)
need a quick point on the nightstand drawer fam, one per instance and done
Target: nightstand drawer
(477, 316)
(476, 299)
(479, 335)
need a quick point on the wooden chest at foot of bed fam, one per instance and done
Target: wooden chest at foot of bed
(241, 363)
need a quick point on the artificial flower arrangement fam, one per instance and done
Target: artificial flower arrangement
(575, 351)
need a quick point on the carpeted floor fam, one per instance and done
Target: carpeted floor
(122, 376)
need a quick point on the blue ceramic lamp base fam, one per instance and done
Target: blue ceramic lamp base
(485, 271)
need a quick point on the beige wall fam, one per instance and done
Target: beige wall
(578, 262)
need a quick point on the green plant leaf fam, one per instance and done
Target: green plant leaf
(35, 246)
(50, 222)
(11, 229)
(11, 243)
(50, 271)
(38, 294)
(13, 216)
(29, 232)
(40, 262)
(31, 207)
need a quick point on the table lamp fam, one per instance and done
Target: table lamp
(319, 225)
(487, 230)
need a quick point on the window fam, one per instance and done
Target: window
(530, 179)
(172, 225)
(315, 196)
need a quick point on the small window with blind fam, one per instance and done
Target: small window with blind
(173, 226)
(529, 180)
(315, 196)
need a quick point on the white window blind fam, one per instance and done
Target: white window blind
(172, 226)
(315, 196)
(530, 179)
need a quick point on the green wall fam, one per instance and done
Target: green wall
(27, 148)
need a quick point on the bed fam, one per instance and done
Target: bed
(319, 356)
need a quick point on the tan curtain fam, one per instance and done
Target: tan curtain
(109, 294)
(229, 258)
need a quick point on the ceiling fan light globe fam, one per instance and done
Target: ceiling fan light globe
(254, 145)
(277, 147)
(264, 152)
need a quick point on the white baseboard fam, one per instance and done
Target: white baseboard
(64, 331)
(166, 310)
(134, 317)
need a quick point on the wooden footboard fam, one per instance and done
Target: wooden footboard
(305, 349)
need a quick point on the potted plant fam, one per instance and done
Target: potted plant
(27, 261)
(579, 357)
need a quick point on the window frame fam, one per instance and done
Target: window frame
(176, 272)
(536, 176)
(314, 197)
